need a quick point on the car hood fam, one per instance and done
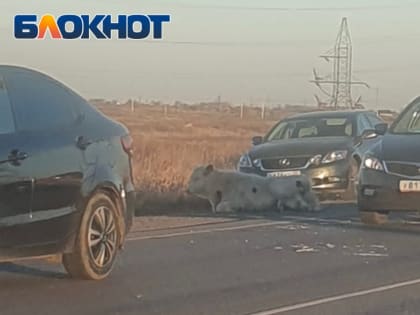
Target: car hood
(399, 148)
(300, 147)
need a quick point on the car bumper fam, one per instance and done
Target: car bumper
(330, 178)
(379, 191)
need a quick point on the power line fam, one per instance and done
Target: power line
(301, 9)
(233, 43)
(305, 41)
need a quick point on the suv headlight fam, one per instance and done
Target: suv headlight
(244, 161)
(373, 163)
(334, 156)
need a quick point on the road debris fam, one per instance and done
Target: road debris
(292, 227)
(307, 249)
(379, 246)
(287, 227)
(370, 254)
(302, 248)
(327, 245)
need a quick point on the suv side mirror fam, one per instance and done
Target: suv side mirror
(381, 129)
(257, 140)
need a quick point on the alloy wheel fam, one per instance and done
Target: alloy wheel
(102, 237)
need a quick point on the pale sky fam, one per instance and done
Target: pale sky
(245, 51)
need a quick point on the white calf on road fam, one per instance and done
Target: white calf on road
(230, 191)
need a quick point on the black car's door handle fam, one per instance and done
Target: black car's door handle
(82, 142)
(15, 156)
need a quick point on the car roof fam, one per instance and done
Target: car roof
(11, 69)
(4, 67)
(330, 114)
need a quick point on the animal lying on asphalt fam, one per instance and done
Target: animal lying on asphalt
(230, 191)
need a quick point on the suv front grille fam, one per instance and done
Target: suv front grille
(284, 163)
(403, 169)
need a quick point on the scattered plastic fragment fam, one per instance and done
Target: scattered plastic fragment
(379, 246)
(302, 248)
(292, 227)
(370, 254)
(287, 227)
(307, 250)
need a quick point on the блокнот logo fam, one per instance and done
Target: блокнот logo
(85, 26)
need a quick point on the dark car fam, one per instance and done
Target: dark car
(390, 176)
(328, 147)
(66, 184)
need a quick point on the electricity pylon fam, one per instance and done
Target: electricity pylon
(340, 81)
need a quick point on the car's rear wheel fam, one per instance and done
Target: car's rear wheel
(97, 243)
(374, 217)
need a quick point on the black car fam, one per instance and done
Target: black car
(66, 184)
(390, 176)
(328, 147)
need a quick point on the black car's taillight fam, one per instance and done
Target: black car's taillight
(127, 144)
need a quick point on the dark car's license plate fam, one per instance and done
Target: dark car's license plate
(410, 185)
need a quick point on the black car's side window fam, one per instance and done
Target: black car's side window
(39, 102)
(7, 124)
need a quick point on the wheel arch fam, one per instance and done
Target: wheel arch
(357, 158)
(105, 181)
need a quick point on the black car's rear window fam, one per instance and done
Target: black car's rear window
(6, 115)
(39, 102)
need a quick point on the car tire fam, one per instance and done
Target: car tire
(97, 242)
(373, 217)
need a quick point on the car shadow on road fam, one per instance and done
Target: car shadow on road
(14, 268)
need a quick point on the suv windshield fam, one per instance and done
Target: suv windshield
(409, 121)
(312, 128)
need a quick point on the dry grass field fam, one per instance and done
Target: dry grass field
(168, 147)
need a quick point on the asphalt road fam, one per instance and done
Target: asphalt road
(326, 263)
